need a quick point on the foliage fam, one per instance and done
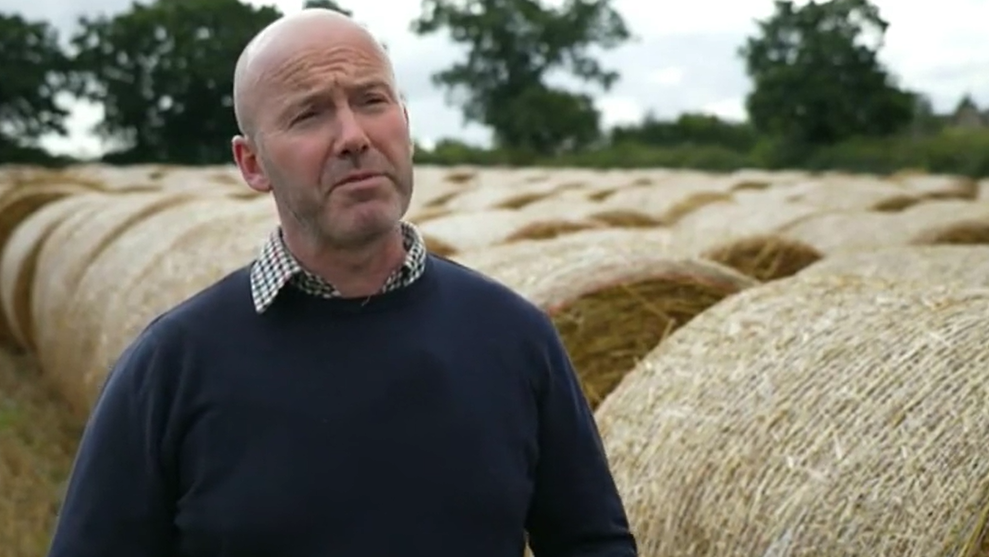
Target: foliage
(163, 73)
(512, 46)
(816, 74)
(34, 70)
(950, 151)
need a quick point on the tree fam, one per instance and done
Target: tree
(164, 75)
(327, 4)
(816, 74)
(34, 71)
(513, 45)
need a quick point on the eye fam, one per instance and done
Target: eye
(304, 115)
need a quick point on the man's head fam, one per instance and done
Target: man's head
(317, 103)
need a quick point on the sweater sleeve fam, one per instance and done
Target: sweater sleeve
(118, 501)
(576, 509)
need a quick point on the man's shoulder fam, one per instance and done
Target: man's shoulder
(477, 288)
(223, 301)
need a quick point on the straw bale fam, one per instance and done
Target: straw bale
(20, 258)
(475, 229)
(983, 190)
(743, 216)
(66, 254)
(624, 218)
(935, 264)
(18, 204)
(586, 243)
(946, 211)
(961, 232)
(810, 417)
(438, 247)
(38, 441)
(102, 322)
(846, 231)
(895, 203)
(751, 185)
(764, 257)
(501, 196)
(612, 307)
(424, 214)
(668, 203)
(937, 186)
(545, 229)
(853, 194)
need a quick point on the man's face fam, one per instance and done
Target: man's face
(327, 110)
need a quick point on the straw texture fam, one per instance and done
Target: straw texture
(937, 264)
(17, 204)
(20, 259)
(64, 257)
(811, 417)
(612, 307)
(102, 325)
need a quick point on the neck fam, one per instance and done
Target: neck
(355, 271)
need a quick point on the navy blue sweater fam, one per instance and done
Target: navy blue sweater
(440, 420)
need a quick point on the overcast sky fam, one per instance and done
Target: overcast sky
(683, 59)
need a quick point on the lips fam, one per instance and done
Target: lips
(357, 177)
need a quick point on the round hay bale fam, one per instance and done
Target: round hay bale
(522, 199)
(16, 205)
(624, 218)
(810, 416)
(936, 264)
(438, 247)
(630, 241)
(764, 257)
(962, 232)
(547, 229)
(428, 213)
(477, 229)
(20, 259)
(895, 203)
(849, 231)
(145, 252)
(751, 185)
(612, 307)
(63, 259)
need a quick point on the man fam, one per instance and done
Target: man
(347, 394)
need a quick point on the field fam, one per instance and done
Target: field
(780, 363)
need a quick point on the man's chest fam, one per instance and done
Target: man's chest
(303, 458)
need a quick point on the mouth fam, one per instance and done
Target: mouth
(358, 177)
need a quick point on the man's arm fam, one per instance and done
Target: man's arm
(118, 502)
(576, 508)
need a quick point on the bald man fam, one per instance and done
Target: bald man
(347, 393)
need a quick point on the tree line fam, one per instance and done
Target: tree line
(162, 72)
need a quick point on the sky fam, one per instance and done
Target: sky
(683, 58)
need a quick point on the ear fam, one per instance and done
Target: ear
(246, 157)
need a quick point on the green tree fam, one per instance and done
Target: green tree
(513, 45)
(816, 74)
(327, 4)
(164, 75)
(34, 69)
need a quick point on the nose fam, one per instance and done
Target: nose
(351, 139)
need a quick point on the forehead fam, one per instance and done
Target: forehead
(321, 63)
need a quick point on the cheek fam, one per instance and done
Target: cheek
(302, 159)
